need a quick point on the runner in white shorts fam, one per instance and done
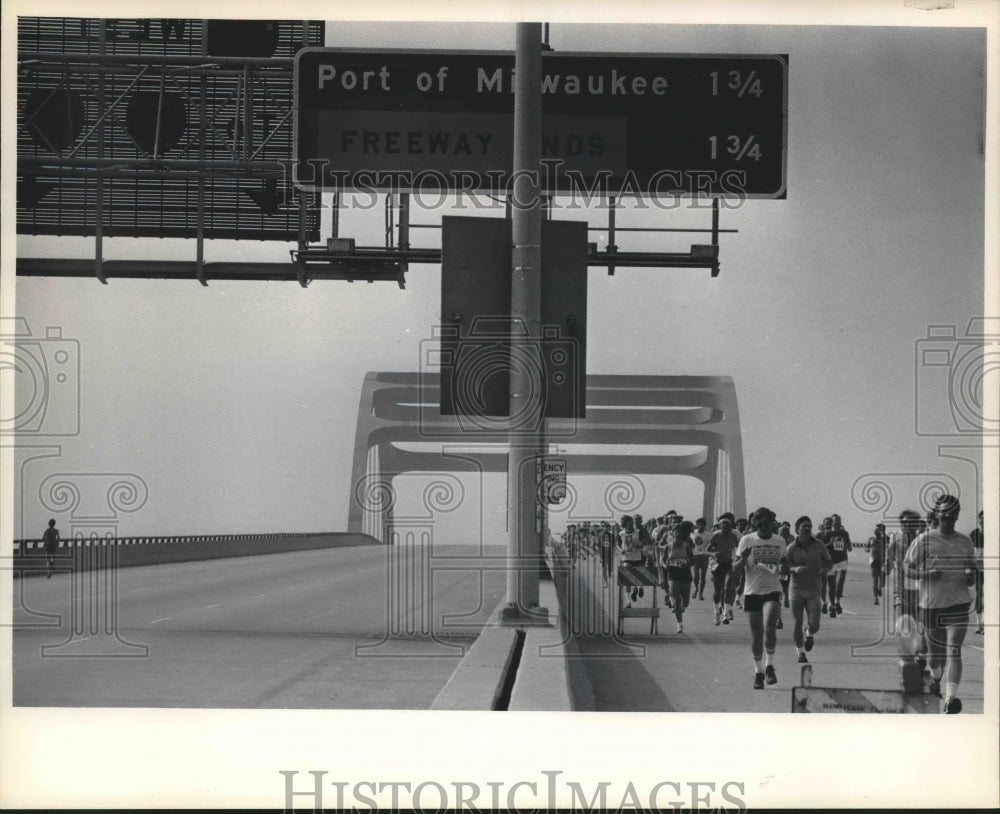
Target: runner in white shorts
(944, 562)
(758, 558)
(838, 543)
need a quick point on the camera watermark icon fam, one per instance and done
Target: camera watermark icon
(470, 371)
(961, 370)
(886, 494)
(95, 503)
(44, 374)
(417, 623)
(586, 569)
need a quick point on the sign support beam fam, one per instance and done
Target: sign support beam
(526, 401)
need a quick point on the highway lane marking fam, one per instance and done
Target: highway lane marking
(154, 621)
(216, 605)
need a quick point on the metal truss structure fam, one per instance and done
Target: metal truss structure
(183, 128)
(658, 412)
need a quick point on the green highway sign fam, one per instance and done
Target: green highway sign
(624, 124)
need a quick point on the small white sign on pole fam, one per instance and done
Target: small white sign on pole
(553, 479)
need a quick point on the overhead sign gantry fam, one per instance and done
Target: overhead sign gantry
(640, 124)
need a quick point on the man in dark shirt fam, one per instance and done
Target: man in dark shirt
(806, 560)
(50, 542)
(876, 557)
(977, 541)
(720, 549)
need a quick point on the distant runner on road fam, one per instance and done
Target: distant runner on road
(838, 543)
(702, 538)
(50, 542)
(630, 546)
(721, 549)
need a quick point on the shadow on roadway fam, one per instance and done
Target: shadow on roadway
(619, 677)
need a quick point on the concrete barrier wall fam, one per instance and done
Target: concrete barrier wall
(131, 551)
(542, 670)
(579, 612)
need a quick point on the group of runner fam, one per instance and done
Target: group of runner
(762, 565)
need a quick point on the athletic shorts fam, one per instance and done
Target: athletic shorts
(876, 569)
(937, 618)
(838, 566)
(701, 560)
(755, 602)
(678, 573)
(722, 568)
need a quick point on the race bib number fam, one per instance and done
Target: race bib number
(677, 563)
(838, 545)
(767, 559)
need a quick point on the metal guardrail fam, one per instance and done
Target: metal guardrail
(36, 544)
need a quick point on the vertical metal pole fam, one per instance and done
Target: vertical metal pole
(202, 114)
(526, 405)
(715, 235)
(247, 113)
(99, 208)
(612, 246)
(303, 202)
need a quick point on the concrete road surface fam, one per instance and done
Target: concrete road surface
(310, 629)
(710, 669)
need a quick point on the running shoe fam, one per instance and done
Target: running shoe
(934, 688)
(718, 617)
(725, 621)
(780, 625)
(680, 627)
(803, 659)
(833, 612)
(979, 630)
(729, 616)
(823, 609)
(739, 602)
(809, 642)
(758, 681)
(839, 609)
(628, 604)
(772, 677)
(952, 706)
(876, 600)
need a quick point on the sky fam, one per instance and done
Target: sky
(235, 404)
